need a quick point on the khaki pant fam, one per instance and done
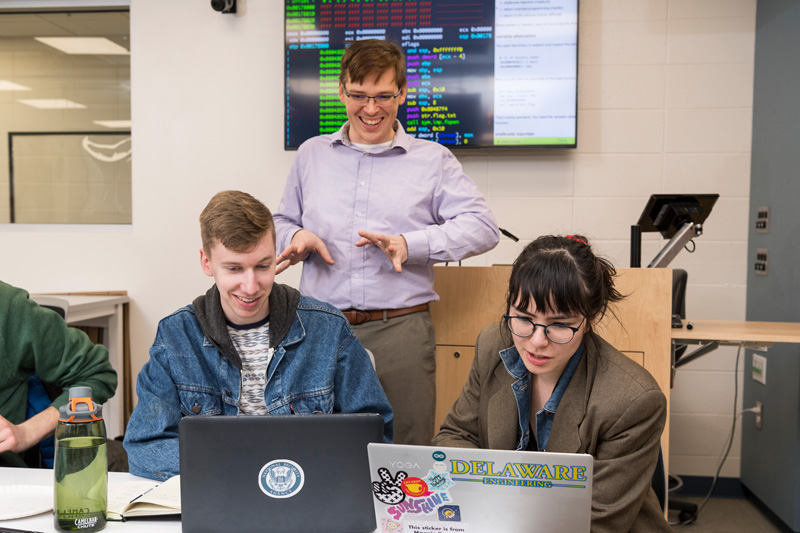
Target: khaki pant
(405, 361)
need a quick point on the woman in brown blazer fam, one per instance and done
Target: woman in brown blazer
(543, 380)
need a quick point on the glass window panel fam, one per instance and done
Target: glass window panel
(71, 178)
(66, 116)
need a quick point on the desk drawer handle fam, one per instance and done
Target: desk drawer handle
(456, 354)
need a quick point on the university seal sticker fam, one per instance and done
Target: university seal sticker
(281, 478)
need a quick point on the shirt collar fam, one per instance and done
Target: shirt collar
(563, 381)
(515, 367)
(401, 139)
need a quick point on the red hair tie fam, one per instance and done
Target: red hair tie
(574, 238)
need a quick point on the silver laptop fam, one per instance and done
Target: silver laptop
(429, 489)
(288, 474)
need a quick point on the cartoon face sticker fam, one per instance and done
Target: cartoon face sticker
(449, 513)
(390, 526)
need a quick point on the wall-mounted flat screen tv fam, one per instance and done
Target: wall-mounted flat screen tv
(481, 73)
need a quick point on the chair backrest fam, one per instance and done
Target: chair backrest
(371, 357)
(39, 398)
(59, 305)
(660, 480)
(679, 280)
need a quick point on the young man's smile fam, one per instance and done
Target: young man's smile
(244, 279)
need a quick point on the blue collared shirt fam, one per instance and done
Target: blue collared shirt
(522, 387)
(414, 187)
(545, 416)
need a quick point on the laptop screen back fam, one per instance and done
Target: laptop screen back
(292, 473)
(429, 489)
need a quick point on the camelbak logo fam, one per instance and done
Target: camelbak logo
(281, 478)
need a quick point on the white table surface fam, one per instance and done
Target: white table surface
(44, 522)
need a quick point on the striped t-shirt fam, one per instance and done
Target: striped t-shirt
(252, 343)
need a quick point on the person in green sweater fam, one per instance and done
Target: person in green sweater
(35, 340)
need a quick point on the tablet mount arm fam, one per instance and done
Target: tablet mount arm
(686, 233)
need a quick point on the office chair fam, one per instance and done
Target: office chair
(679, 280)
(687, 510)
(41, 395)
(660, 480)
(54, 303)
(371, 357)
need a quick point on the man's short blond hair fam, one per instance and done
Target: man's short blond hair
(236, 220)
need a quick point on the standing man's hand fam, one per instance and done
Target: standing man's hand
(303, 243)
(394, 246)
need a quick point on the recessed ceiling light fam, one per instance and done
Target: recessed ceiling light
(84, 45)
(114, 123)
(53, 103)
(11, 86)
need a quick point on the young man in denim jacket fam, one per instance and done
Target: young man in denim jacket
(248, 346)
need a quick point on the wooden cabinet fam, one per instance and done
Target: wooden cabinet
(452, 368)
(472, 297)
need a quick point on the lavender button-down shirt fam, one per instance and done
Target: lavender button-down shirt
(414, 187)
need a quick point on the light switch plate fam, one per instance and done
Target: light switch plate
(762, 220)
(760, 368)
(762, 261)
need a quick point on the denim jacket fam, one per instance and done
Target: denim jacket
(319, 366)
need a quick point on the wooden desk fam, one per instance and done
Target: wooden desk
(710, 334)
(735, 332)
(106, 312)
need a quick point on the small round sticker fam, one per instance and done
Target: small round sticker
(414, 487)
(281, 478)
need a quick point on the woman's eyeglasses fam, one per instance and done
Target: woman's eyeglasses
(522, 326)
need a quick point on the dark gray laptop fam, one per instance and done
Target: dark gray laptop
(288, 473)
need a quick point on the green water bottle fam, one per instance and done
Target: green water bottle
(81, 464)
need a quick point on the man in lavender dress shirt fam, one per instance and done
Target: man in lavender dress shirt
(369, 210)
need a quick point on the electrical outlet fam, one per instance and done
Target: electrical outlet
(762, 261)
(759, 368)
(762, 220)
(759, 415)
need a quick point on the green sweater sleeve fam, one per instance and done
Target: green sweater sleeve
(36, 340)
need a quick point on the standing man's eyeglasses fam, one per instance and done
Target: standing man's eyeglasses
(381, 99)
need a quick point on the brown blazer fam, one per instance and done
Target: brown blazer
(612, 409)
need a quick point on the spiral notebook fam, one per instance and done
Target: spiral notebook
(287, 473)
(430, 489)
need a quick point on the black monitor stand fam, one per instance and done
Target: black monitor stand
(679, 218)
